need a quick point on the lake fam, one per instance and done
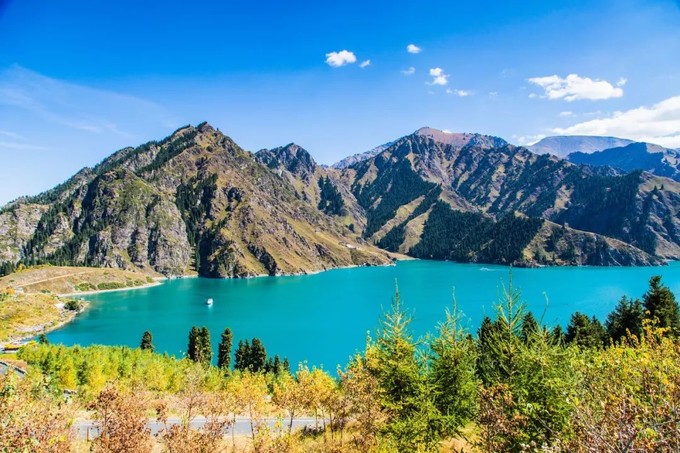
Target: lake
(324, 318)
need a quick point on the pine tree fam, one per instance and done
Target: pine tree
(224, 350)
(147, 342)
(242, 356)
(661, 306)
(529, 327)
(192, 348)
(204, 346)
(626, 318)
(585, 332)
(258, 356)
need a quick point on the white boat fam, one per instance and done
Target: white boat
(209, 302)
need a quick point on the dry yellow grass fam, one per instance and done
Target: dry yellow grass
(70, 280)
(25, 315)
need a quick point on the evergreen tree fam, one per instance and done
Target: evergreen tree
(242, 356)
(204, 346)
(529, 327)
(661, 306)
(192, 348)
(626, 318)
(258, 356)
(224, 350)
(557, 335)
(585, 332)
(286, 365)
(42, 339)
(147, 342)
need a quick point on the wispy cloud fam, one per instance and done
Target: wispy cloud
(659, 123)
(574, 87)
(11, 135)
(409, 71)
(14, 146)
(365, 64)
(341, 58)
(527, 140)
(459, 93)
(412, 48)
(438, 77)
(75, 106)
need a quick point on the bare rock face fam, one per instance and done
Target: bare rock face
(192, 202)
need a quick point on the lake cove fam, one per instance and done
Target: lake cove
(324, 318)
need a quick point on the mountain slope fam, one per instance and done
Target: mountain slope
(195, 200)
(484, 182)
(636, 156)
(563, 145)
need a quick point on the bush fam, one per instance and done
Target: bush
(110, 285)
(73, 305)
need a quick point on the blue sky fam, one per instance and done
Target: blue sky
(81, 79)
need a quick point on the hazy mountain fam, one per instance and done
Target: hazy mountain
(636, 156)
(195, 200)
(563, 145)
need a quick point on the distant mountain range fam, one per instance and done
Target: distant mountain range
(197, 202)
(563, 145)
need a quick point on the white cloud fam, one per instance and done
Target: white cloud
(365, 64)
(409, 71)
(11, 135)
(337, 59)
(493, 94)
(22, 146)
(566, 114)
(574, 87)
(527, 140)
(659, 123)
(622, 81)
(438, 77)
(460, 93)
(412, 48)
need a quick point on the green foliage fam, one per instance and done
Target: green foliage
(625, 320)
(331, 201)
(464, 236)
(452, 374)
(661, 306)
(73, 305)
(224, 350)
(199, 349)
(147, 342)
(110, 285)
(585, 332)
(7, 267)
(252, 357)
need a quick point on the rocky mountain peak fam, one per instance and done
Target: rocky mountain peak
(460, 139)
(291, 157)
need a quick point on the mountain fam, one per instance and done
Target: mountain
(194, 201)
(472, 197)
(356, 158)
(563, 145)
(636, 156)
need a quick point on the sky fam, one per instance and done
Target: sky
(82, 79)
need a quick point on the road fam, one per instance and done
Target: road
(87, 428)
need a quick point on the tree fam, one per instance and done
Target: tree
(192, 348)
(258, 356)
(585, 332)
(199, 349)
(42, 339)
(224, 350)
(147, 342)
(529, 327)
(452, 372)
(289, 395)
(626, 319)
(242, 356)
(661, 306)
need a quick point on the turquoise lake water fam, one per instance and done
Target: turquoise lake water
(324, 318)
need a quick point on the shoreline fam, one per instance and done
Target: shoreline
(157, 281)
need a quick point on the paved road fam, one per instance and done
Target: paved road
(242, 427)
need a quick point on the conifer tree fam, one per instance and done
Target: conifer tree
(204, 346)
(242, 356)
(192, 348)
(661, 306)
(585, 332)
(258, 356)
(626, 319)
(224, 350)
(147, 342)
